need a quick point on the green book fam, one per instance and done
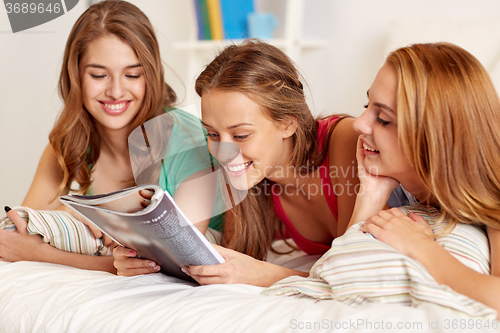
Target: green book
(205, 21)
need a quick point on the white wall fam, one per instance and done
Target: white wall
(359, 34)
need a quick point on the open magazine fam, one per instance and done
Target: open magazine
(160, 232)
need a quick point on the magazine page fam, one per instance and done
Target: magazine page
(160, 232)
(123, 201)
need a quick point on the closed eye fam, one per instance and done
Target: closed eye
(383, 122)
(242, 137)
(212, 136)
(97, 76)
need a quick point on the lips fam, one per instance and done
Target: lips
(115, 108)
(237, 170)
(238, 167)
(367, 147)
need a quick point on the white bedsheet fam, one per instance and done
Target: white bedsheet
(41, 297)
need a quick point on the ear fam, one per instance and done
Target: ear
(289, 127)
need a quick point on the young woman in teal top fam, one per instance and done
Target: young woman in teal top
(112, 81)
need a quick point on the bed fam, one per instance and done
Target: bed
(42, 297)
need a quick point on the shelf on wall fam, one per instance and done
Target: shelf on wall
(202, 45)
(197, 53)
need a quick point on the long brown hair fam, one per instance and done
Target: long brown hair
(268, 77)
(448, 125)
(74, 137)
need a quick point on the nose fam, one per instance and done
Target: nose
(116, 88)
(363, 124)
(224, 152)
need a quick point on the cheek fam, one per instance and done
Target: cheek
(386, 140)
(397, 160)
(137, 89)
(252, 151)
(90, 89)
(404, 162)
(86, 94)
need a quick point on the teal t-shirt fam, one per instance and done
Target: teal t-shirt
(175, 141)
(186, 154)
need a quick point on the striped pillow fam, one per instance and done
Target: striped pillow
(60, 229)
(359, 269)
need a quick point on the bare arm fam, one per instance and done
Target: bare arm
(411, 236)
(240, 268)
(445, 269)
(374, 191)
(46, 182)
(19, 245)
(45, 186)
(96, 263)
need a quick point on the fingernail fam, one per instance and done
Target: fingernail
(7, 209)
(157, 268)
(184, 270)
(132, 253)
(152, 264)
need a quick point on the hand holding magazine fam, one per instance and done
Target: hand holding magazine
(160, 232)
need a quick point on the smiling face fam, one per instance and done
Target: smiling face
(265, 145)
(379, 132)
(113, 84)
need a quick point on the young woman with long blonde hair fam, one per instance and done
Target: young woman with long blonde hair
(432, 124)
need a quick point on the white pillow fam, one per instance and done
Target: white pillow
(359, 269)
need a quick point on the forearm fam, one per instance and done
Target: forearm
(447, 270)
(276, 273)
(367, 206)
(50, 254)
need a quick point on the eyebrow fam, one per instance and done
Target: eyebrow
(103, 67)
(380, 105)
(230, 127)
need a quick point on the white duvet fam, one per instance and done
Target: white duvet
(41, 297)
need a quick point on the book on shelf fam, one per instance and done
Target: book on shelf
(199, 23)
(202, 19)
(223, 19)
(215, 19)
(159, 232)
(234, 17)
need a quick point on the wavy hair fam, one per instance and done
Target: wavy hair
(74, 137)
(268, 77)
(448, 125)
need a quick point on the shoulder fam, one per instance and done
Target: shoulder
(45, 185)
(48, 155)
(343, 139)
(49, 163)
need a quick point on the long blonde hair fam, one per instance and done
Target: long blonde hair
(74, 137)
(449, 127)
(268, 77)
